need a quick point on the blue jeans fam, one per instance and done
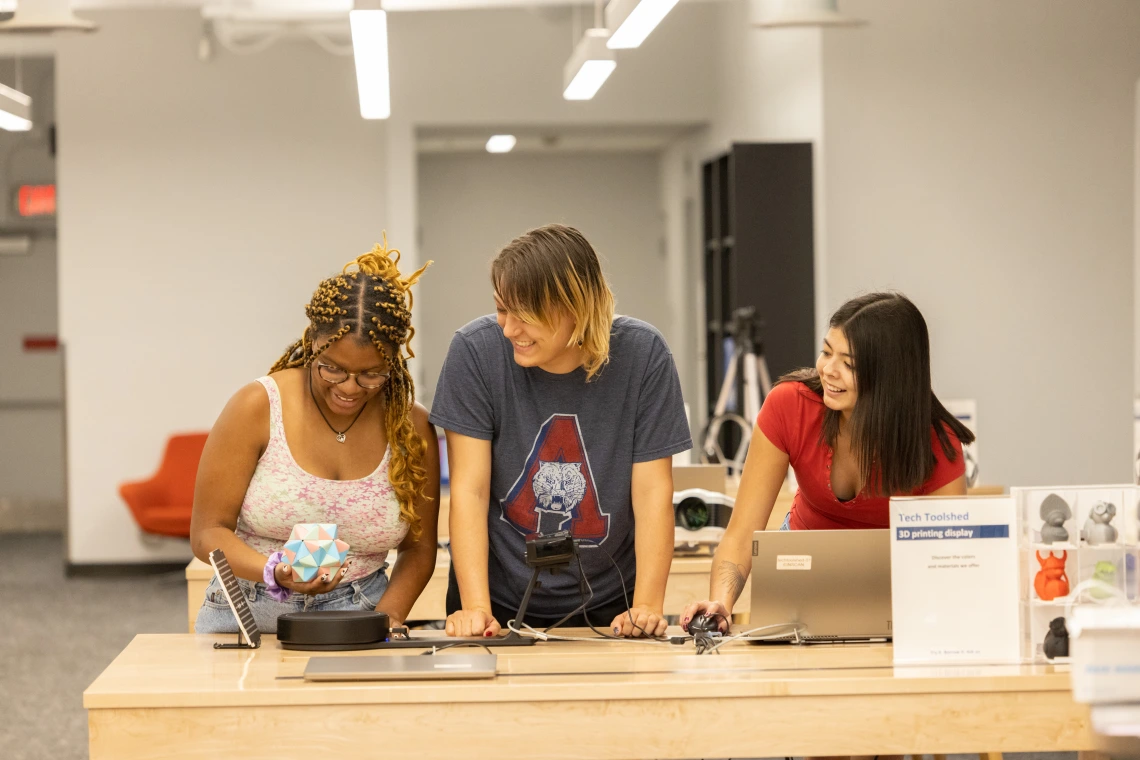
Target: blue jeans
(215, 616)
(787, 522)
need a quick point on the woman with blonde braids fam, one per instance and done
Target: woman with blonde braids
(332, 435)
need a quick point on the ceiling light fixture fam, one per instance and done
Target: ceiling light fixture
(501, 143)
(811, 13)
(369, 26)
(15, 110)
(589, 67)
(631, 21)
(44, 17)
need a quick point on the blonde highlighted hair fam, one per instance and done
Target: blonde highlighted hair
(553, 270)
(371, 300)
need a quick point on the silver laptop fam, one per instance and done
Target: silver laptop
(833, 585)
(414, 667)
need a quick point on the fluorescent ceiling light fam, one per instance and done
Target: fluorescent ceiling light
(809, 13)
(15, 110)
(501, 143)
(370, 48)
(631, 21)
(44, 17)
(589, 67)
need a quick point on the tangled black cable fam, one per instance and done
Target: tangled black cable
(624, 596)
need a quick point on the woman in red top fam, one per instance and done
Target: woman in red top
(860, 427)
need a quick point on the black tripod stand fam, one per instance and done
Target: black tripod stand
(748, 362)
(553, 552)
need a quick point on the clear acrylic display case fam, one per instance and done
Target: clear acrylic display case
(1069, 535)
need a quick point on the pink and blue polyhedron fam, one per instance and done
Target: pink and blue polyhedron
(313, 548)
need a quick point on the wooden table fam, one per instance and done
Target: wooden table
(175, 697)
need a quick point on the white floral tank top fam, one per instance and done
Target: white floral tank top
(281, 494)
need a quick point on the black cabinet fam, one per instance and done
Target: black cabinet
(758, 252)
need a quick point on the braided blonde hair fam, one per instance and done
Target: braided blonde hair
(371, 299)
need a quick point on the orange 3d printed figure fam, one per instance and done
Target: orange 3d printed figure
(1051, 581)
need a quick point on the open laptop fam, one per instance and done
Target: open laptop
(414, 667)
(834, 585)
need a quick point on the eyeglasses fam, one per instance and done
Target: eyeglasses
(369, 380)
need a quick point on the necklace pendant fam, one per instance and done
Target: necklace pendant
(340, 437)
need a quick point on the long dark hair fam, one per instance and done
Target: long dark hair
(895, 406)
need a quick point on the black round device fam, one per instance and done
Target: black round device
(331, 629)
(703, 624)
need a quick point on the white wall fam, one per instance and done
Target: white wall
(980, 158)
(470, 205)
(200, 207)
(768, 80)
(680, 202)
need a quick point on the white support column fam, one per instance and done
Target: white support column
(401, 221)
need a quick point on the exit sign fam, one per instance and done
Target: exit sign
(36, 200)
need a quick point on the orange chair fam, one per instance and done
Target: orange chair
(162, 505)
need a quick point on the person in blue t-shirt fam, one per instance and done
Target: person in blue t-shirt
(559, 416)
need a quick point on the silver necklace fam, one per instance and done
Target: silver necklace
(340, 434)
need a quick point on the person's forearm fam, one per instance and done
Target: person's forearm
(653, 547)
(245, 562)
(764, 474)
(730, 566)
(411, 573)
(469, 551)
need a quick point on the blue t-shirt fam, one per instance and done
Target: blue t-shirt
(562, 452)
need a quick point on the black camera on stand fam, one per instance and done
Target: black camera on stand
(553, 552)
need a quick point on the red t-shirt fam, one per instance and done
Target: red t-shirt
(792, 417)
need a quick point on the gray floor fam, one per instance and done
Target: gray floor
(57, 634)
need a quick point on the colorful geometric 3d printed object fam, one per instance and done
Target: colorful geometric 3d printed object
(313, 548)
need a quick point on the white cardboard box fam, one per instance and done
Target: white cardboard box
(1104, 643)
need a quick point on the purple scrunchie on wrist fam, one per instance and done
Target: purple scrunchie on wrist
(277, 592)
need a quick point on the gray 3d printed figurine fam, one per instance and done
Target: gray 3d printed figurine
(1098, 528)
(1054, 511)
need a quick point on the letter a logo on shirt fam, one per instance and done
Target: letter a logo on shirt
(555, 490)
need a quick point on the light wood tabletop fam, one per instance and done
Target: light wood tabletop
(174, 696)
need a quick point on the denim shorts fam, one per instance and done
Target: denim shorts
(215, 616)
(787, 522)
